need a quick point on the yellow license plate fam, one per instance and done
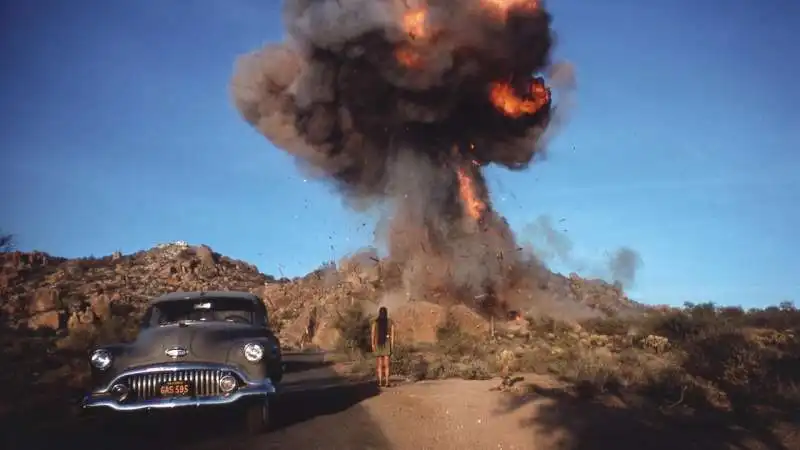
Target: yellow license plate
(175, 389)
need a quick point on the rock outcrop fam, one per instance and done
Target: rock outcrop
(39, 291)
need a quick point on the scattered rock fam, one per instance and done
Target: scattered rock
(80, 293)
(50, 320)
(44, 299)
(40, 291)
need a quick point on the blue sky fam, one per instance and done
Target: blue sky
(118, 133)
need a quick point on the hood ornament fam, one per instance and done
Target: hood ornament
(176, 352)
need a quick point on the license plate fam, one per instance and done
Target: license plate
(176, 388)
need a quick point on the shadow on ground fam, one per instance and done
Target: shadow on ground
(312, 413)
(303, 361)
(569, 422)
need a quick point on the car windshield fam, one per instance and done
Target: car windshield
(203, 310)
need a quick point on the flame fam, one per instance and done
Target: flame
(504, 99)
(514, 315)
(473, 205)
(415, 23)
(501, 7)
(408, 57)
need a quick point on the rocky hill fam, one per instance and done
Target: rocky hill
(725, 359)
(66, 295)
(42, 291)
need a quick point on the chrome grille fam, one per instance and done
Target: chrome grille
(205, 382)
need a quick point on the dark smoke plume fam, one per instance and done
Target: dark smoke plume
(623, 265)
(392, 101)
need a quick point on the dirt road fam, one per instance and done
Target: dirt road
(320, 409)
(314, 404)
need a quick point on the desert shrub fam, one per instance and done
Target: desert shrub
(405, 361)
(751, 357)
(353, 325)
(452, 341)
(536, 360)
(361, 363)
(744, 369)
(674, 326)
(467, 368)
(546, 324)
(449, 329)
(113, 330)
(611, 326)
(783, 317)
(700, 356)
(592, 369)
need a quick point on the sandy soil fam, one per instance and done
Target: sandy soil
(326, 411)
(451, 414)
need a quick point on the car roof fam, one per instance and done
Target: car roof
(198, 295)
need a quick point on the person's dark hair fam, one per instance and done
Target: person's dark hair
(383, 325)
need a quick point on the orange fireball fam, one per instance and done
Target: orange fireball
(408, 57)
(415, 23)
(500, 8)
(506, 101)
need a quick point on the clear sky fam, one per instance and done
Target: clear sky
(118, 133)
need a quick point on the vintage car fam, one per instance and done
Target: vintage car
(193, 349)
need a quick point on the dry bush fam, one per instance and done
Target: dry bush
(458, 354)
(700, 356)
(746, 357)
(452, 341)
(609, 326)
(116, 329)
(466, 368)
(353, 325)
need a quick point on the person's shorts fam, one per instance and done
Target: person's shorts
(382, 350)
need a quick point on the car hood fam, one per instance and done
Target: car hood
(214, 342)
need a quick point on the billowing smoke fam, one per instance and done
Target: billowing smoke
(554, 245)
(402, 102)
(551, 244)
(623, 265)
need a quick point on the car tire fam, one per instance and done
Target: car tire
(257, 418)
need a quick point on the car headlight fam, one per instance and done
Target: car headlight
(253, 352)
(100, 359)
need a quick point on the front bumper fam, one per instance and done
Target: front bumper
(247, 390)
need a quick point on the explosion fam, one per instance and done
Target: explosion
(403, 102)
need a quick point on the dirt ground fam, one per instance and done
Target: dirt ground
(325, 411)
(540, 413)
(450, 414)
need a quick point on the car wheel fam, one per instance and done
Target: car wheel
(257, 418)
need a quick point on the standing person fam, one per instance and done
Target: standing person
(382, 339)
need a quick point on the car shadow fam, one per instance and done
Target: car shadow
(300, 405)
(303, 361)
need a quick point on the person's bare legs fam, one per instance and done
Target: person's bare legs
(379, 369)
(387, 372)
